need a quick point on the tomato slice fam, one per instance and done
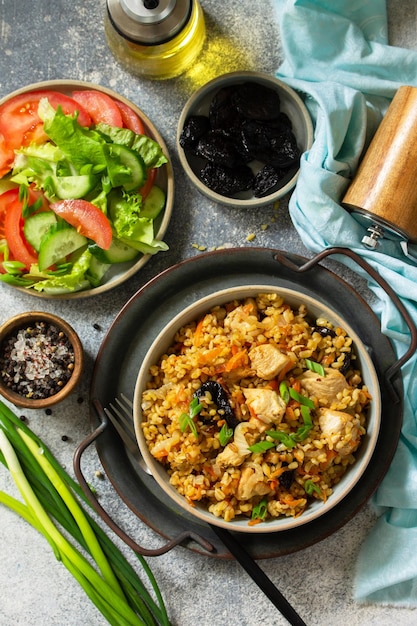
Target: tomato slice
(6, 157)
(130, 119)
(151, 175)
(100, 106)
(87, 219)
(19, 117)
(11, 207)
(6, 198)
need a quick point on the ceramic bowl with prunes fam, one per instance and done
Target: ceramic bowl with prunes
(240, 138)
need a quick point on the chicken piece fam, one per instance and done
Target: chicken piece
(237, 450)
(268, 360)
(266, 404)
(324, 388)
(341, 430)
(252, 482)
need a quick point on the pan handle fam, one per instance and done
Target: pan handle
(182, 537)
(394, 369)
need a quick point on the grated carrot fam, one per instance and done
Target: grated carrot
(209, 355)
(328, 359)
(296, 386)
(240, 359)
(291, 501)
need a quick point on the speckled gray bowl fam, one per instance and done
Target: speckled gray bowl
(291, 104)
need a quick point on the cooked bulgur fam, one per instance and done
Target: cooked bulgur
(256, 409)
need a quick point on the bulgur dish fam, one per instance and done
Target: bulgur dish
(256, 409)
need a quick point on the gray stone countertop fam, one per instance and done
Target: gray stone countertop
(65, 40)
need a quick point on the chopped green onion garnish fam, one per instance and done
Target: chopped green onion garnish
(260, 510)
(310, 488)
(300, 398)
(195, 407)
(284, 391)
(225, 434)
(306, 415)
(187, 420)
(262, 446)
(286, 438)
(315, 367)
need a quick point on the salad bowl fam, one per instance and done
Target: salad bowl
(97, 185)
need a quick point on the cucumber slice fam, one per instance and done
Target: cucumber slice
(119, 252)
(73, 187)
(153, 203)
(132, 175)
(36, 226)
(57, 244)
(96, 271)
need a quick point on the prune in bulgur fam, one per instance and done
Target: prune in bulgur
(217, 147)
(256, 102)
(286, 479)
(227, 181)
(194, 128)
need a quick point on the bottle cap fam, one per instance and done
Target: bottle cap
(148, 22)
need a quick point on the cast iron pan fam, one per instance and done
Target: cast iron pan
(146, 313)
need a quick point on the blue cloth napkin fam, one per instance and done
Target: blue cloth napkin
(336, 54)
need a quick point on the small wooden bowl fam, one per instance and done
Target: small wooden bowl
(24, 321)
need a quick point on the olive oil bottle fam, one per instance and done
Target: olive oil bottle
(155, 39)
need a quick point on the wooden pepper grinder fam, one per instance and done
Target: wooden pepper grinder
(383, 193)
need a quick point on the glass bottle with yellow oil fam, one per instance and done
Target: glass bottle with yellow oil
(156, 39)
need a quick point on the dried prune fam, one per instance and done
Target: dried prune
(195, 127)
(226, 181)
(324, 331)
(220, 399)
(286, 479)
(347, 359)
(266, 179)
(284, 150)
(222, 112)
(217, 147)
(273, 146)
(257, 102)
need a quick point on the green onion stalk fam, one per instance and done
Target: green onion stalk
(51, 502)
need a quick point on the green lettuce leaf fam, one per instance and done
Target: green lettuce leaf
(75, 280)
(147, 148)
(129, 226)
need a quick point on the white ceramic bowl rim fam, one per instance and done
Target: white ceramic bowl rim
(315, 309)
